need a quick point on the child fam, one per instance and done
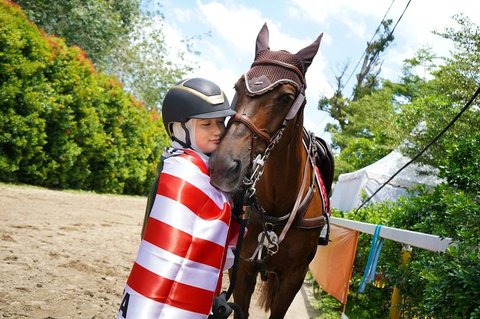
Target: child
(184, 244)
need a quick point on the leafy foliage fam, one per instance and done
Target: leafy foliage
(63, 124)
(411, 113)
(143, 65)
(462, 164)
(372, 130)
(433, 285)
(97, 26)
(120, 39)
(449, 280)
(442, 98)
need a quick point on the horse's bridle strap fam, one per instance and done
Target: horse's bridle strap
(293, 214)
(243, 118)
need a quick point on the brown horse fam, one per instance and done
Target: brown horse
(267, 153)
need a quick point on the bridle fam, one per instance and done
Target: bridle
(269, 239)
(258, 160)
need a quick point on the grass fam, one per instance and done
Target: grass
(325, 305)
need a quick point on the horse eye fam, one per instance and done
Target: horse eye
(285, 98)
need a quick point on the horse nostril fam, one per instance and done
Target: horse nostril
(225, 173)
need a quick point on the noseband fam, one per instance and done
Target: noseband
(245, 119)
(263, 134)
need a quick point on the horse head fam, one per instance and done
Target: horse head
(268, 97)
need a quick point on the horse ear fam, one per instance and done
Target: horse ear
(307, 54)
(262, 40)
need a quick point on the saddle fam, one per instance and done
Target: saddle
(325, 162)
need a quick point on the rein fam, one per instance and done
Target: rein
(259, 162)
(268, 239)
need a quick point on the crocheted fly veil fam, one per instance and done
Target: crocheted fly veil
(266, 72)
(271, 68)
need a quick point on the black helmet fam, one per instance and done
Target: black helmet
(194, 98)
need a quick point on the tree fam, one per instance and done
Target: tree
(119, 38)
(94, 25)
(336, 105)
(414, 111)
(372, 131)
(145, 65)
(418, 109)
(440, 100)
(350, 130)
(65, 125)
(367, 78)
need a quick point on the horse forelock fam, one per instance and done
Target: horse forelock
(263, 76)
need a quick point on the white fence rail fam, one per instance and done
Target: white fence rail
(412, 238)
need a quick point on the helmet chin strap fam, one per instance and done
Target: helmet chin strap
(181, 134)
(184, 134)
(191, 133)
(179, 142)
(188, 140)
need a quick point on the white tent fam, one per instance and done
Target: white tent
(347, 193)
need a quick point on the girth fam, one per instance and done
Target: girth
(259, 215)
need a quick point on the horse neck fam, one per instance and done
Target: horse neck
(282, 177)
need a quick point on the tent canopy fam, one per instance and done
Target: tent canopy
(348, 189)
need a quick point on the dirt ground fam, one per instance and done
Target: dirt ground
(68, 254)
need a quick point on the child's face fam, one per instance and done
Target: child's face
(208, 133)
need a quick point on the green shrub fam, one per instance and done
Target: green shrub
(433, 285)
(63, 124)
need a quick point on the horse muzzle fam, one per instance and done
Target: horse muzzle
(226, 172)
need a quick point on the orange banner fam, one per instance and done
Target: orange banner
(332, 265)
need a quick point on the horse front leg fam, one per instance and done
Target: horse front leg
(244, 286)
(299, 247)
(289, 284)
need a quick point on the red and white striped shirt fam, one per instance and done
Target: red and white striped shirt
(176, 273)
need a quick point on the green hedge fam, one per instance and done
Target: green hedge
(433, 285)
(62, 124)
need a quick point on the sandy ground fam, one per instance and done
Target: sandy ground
(68, 254)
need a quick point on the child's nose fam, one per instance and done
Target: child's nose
(218, 129)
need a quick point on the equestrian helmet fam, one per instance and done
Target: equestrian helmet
(194, 98)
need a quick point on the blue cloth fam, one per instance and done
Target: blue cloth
(371, 267)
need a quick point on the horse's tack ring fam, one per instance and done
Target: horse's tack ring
(270, 242)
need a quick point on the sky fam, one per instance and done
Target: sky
(224, 32)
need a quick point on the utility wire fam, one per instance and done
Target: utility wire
(401, 16)
(389, 35)
(395, 26)
(376, 31)
(466, 106)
